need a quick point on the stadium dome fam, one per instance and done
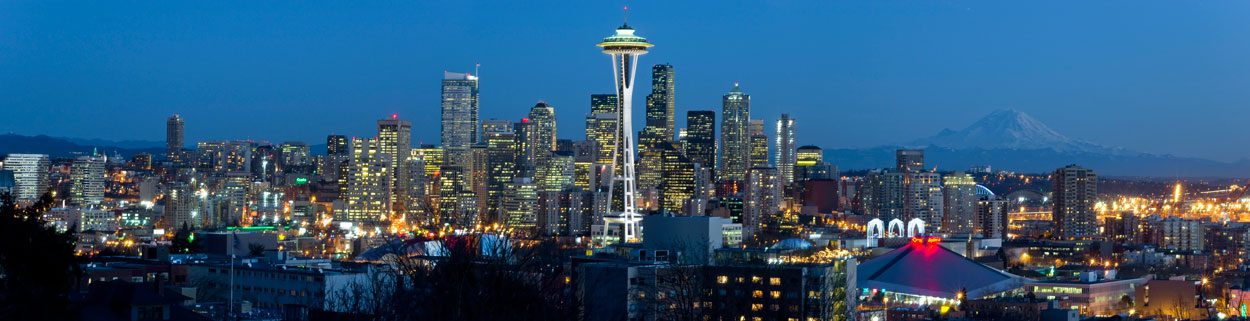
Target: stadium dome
(984, 192)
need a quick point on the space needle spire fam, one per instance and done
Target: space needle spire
(624, 47)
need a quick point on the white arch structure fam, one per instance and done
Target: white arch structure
(877, 226)
(896, 228)
(915, 227)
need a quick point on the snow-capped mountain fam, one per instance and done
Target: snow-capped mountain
(1009, 129)
(1012, 140)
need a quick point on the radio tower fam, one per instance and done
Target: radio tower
(624, 47)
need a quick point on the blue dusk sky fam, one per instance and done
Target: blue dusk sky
(1154, 76)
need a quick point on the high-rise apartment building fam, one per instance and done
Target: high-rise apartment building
(991, 220)
(1075, 192)
(959, 193)
(762, 199)
(735, 139)
(87, 176)
(785, 149)
(369, 189)
(30, 175)
(881, 195)
(459, 114)
(173, 138)
(923, 198)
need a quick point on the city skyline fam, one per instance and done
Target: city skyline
(117, 81)
(473, 211)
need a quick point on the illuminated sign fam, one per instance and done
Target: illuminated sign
(920, 240)
(301, 180)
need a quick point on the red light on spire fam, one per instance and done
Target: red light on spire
(395, 116)
(525, 120)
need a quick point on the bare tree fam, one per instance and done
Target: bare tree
(477, 277)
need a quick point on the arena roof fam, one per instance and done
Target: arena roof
(924, 267)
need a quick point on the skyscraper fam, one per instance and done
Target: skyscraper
(87, 175)
(30, 175)
(520, 206)
(809, 164)
(625, 47)
(735, 139)
(659, 127)
(909, 160)
(762, 199)
(785, 149)
(700, 141)
(759, 144)
(369, 190)
(293, 154)
(338, 145)
(881, 195)
(394, 145)
(173, 138)
(661, 104)
(677, 179)
(460, 114)
(333, 167)
(394, 139)
(1075, 192)
(959, 193)
(501, 160)
(923, 198)
(541, 138)
(602, 128)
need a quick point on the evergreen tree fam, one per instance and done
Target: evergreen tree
(38, 266)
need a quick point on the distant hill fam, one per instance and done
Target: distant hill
(127, 144)
(1012, 140)
(65, 147)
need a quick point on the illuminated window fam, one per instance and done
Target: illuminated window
(757, 306)
(722, 279)
(775, 294)
(757, 294)
(774, 281)
(756, 279)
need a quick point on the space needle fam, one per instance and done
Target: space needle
(624, 47)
